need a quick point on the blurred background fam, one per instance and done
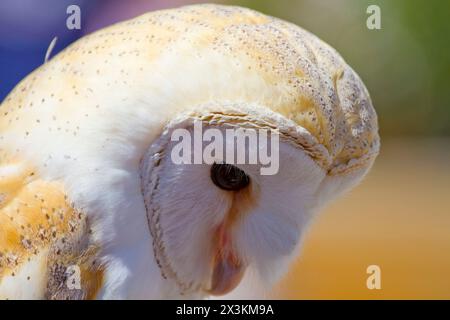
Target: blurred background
(399, 217)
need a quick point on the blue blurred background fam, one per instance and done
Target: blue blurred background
(28, 26)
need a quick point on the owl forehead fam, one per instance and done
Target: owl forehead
(303, 78)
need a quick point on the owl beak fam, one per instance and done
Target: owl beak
(228, 270)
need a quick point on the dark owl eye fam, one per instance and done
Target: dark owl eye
(229, 177)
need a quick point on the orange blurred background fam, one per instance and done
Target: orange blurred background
(398, 219)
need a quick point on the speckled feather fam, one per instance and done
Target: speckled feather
(268, 61)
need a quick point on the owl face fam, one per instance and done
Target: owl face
(210, 222)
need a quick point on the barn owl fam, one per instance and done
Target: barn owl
(91, 205)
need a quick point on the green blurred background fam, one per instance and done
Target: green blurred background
(405, 65)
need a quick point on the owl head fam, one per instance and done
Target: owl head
(126, 94)
(213, 219)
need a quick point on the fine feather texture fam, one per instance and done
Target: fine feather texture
(87, 119)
